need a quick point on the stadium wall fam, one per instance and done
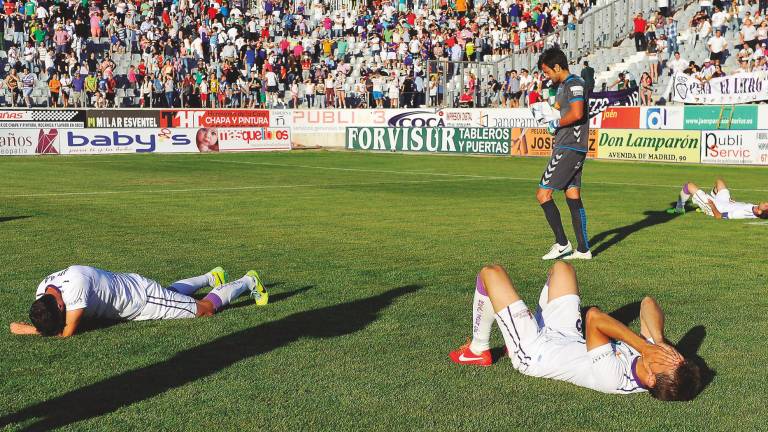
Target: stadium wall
(690, 134)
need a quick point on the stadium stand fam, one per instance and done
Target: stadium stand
(270, 53)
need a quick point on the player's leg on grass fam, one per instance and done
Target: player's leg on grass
(189, 286)
(559, 300)
(552, 214)
(686, 192)
(719, 185)
(561, 282)
(579, 221)
(227, 293)
(477, 352)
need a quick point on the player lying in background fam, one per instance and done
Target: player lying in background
(718, 203)
(610, 359)
(64, 298)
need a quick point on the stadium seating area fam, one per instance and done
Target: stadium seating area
(322, 54)
(265, 54)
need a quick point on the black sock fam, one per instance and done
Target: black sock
(553, 217)
(579, 219)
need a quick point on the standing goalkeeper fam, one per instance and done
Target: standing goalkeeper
(563, 171)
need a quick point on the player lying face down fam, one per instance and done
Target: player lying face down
(64, 298)
(718, 203)
(609, 358)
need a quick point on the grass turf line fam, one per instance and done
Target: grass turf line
(305, 361)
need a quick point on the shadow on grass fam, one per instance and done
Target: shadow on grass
(689, 346)
(601, 242)
(12, 218)
(187, 366)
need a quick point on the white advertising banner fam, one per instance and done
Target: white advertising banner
(236, 139)
(734, 147)
(762, 117)
(25, 142)
(662, 118)
(110, 141)
(732, 89)
(326, 128)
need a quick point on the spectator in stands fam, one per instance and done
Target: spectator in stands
(718, 73)
(621, 83)
(534, 96)
(706, 6)
(670, 31)
(28, 80)
(720, 20)
(66, 90)
(748, 34)
(703, 27)
(588, 75)
(718, 47)
(646, 89)
(54, 85)
(639, 31)
(677, 65)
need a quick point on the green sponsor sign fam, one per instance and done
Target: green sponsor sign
(432, 140)
(707, 117)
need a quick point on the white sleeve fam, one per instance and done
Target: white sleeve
(74, 291)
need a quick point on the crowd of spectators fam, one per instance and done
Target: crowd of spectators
(216, 53)
(744, 20)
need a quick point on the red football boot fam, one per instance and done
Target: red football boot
(465, 356)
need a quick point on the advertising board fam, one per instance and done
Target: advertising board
(649, 145)
(539, 142)
(62, 118)
(433, 140)
(25, 142)
(739, 117)
(247, 139)
(224, 118)
(662, 117)
(734, 147)
(123, 118)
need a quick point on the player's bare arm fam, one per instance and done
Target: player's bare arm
(574, 115)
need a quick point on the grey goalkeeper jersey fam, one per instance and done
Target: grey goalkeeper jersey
(575, 136)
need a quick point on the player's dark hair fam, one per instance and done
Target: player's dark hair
(46, 316)
(763, 215)
(683, 384)
(551, 57)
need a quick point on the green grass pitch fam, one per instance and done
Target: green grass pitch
(371, 261)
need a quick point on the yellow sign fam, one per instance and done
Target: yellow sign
(649, 145)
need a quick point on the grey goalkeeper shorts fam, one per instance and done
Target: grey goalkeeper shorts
(563, 170)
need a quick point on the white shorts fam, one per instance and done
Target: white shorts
(528, 337)
(166, 304)
(721, 199)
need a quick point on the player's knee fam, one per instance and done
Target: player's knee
(562, 266)
(591, 314)
(205, 308)
(543, 195)
(492, 270)
(647, 301)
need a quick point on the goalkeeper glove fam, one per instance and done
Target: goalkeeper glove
(552, 126)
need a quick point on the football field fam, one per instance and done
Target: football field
(370, 260)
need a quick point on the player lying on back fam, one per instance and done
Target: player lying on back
(610, 359)
(718, 203)
(64, 298)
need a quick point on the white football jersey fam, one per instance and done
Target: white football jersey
(607, 369)
(732, 209)
(102, 294)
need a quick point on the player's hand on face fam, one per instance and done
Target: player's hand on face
(661, 355)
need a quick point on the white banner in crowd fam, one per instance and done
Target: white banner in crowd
(733, 89)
